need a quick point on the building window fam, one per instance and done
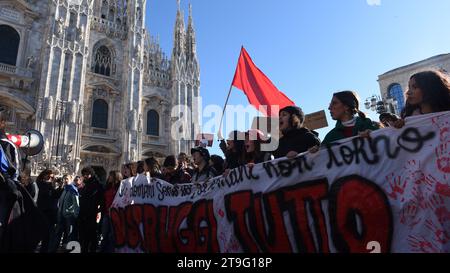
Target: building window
(152, 123)
(396, 92)
(111, 15)
(103, 61)
(100, 114)
(9, 45)
(104, 10)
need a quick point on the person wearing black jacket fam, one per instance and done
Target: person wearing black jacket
(172, 174)
(47, 203)
(233, 149)
(295, 138)
(91, 203)
(22, 225)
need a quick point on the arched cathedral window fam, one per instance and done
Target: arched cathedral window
(103, 62)
(152, 123)
(104, 10)
(111, 15)
(9, 45)
(396, 92)
(100, 114)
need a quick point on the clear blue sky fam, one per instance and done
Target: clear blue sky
(309, 49)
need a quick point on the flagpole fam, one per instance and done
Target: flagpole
(219, 134)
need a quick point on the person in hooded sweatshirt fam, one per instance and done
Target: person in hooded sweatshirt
(295, 138)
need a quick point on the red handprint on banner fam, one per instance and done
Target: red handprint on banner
(418, 244)
(443, 189)
(436, 186)
(441, 235)
(414, 173)
(397, 186)
(442, 214)
(419, 196)
(408, 215)
(430, 200)
(443, 157)
(434, 201)
(444, 128)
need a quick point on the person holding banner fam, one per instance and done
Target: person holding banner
(217, 162)
(233, 149)
(429, 91)
(126, 170)
(295, 138)
(203, 171)
(171, 174)
(253, 140)
(153, 168)
(343, 108)
(184, 164)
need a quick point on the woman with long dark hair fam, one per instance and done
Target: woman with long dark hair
(153, 168)
(429, 91)
(254, 139)
(233, 149)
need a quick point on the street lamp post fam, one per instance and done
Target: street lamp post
(376, 103)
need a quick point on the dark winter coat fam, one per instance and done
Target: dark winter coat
(47, 200)
(91, 198)
(298, 140)
(68, 203)
(22, 225)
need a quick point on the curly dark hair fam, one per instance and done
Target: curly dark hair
(435, 87)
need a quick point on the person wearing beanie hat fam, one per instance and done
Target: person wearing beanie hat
(295, 138)
(343, 108)
(204, 171)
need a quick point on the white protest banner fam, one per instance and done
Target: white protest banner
(390, 192)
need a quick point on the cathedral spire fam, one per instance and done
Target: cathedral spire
(190, 37)
(190, 21)
(179, 33)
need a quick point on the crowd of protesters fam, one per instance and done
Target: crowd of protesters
(71, 205)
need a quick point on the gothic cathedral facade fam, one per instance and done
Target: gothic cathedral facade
(88, 76)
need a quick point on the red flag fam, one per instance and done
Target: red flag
(258, 88)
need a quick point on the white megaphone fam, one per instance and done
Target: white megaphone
(31, 143)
